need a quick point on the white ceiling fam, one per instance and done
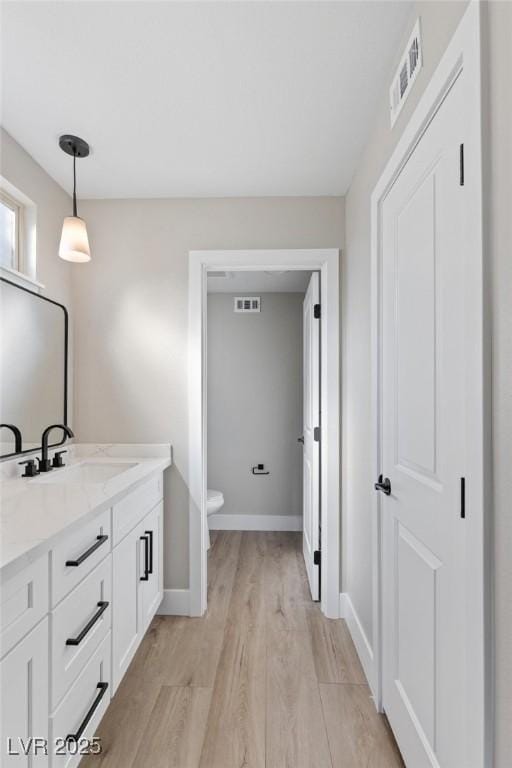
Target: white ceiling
(259, 282)
(201, 98)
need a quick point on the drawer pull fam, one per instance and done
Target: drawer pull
(150, 534)
(99, 541)
(102, 607)
(145, 539)
(102, 689)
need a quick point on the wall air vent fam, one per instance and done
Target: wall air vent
(247, 304)
(406, 73)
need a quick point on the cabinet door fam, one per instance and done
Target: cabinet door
(151, 584)
(24, 712)
(127, 628)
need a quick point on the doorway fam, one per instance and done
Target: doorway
(326, 263)
(263, 406)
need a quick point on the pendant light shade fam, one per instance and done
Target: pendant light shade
(74, 242)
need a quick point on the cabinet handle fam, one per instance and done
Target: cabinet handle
(102, 689)
(150, 534)
(145, 539)
(88, 552)
(102, 607)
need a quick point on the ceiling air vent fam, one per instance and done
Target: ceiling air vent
(247, 304)
(406, 73)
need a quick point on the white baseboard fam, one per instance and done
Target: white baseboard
(175, 602)
(255, 522)
(363, 647)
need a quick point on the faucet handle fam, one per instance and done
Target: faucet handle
(31, 469)
(45, 465)
(57, 459)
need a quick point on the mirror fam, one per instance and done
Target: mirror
(33, 360)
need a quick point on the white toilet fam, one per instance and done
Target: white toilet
(214, 502)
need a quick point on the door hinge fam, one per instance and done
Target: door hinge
(316, 311)
(317, 556)
(461, 165)
(316, 434)
(463, 497)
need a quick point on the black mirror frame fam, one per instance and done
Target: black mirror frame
(66, 334)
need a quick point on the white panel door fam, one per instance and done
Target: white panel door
(423, 438)
(311, 417)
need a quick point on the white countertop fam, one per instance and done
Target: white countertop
(35, 513)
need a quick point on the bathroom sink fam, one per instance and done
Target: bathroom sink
(87, 472)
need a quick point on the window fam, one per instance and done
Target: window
(10, 227)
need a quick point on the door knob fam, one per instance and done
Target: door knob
(300, 440)
(383, 484)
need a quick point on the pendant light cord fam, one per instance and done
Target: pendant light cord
(74, 185)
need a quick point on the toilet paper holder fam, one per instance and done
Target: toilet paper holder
(258, 470)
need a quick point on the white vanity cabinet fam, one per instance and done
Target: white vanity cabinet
(71, 621)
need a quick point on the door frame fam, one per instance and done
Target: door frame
(326, 260)
(462, 53)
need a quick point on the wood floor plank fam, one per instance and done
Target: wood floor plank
(358, 736)
(336, 659)
(235, 730)
(222, 565)
(174, 735)
(286, 594)
(184, 651)
(299, 558)
(247, 604)
(296, 732)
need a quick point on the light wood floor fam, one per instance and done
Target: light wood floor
(262, 681)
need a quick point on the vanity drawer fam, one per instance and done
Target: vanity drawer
(83, 706)
(23, 602)
(79, 624)
(134, 507)
(78, 554)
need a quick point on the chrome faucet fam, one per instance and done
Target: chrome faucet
(17, 436)
(45, 464)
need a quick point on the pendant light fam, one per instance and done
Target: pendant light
(74, 243)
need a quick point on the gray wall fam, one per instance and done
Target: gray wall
(131, 312)
(255, 404)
